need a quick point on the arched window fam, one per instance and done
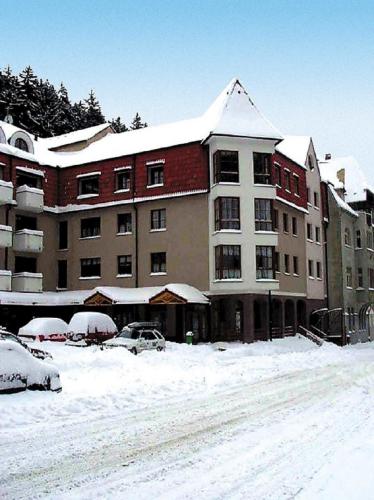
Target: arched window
(21, 144)
(347, 237)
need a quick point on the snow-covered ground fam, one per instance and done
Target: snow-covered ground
(263, 421)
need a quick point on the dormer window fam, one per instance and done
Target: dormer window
(21, 144)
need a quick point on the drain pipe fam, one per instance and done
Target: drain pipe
(133, 180)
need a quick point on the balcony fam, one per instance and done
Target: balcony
(5, 236)
(5, 281)
(6, 192)
(27, 282)
(28, 240)
(30, 199)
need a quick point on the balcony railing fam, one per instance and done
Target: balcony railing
(27, 282)
(5, 281)
(6, 192)
(28, 240)
(30, 199)
(5, 236)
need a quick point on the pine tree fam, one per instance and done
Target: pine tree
(9, 95)
(94, 115)
(28, 89)
(118, 126)
(66, 120)
(47, 112)
(137, 123)
(79, 115)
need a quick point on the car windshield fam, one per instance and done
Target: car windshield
(128, 333)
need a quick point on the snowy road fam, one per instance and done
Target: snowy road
(278, 437)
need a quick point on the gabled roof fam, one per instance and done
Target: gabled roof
(350, 177)
(295, 147)
(232, 113)
(74, 137)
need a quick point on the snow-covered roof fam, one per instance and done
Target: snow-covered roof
(353, 179)
(341, 203)
(232, 113)
(295, 147)
(117, 295)
(73, 137)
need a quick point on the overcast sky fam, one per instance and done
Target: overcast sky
(308, 65)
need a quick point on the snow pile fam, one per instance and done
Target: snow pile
(91, 322)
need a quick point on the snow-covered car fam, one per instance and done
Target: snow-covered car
(54, 329)
(20, 370)
(37, 353)
(138, 337)
(92, 327)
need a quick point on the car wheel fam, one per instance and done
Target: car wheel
(134, 351)
(159, 348)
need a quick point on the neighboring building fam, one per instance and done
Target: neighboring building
(94, 213)
(350, 248)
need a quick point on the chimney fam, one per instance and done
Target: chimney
(328, 156)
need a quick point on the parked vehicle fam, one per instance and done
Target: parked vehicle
(54, 329)
(37, 353)
(138, 337)
(92, 327)
(20, 370)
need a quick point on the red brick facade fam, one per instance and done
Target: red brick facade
(285, 164)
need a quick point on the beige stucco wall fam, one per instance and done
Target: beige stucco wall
(293, 246)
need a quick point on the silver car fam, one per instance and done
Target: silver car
(138, 337)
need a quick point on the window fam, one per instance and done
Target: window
(296, 184)
(316, 199)
(347, 237)
(28, 179)
(276, 262)
(156, 175)
(286, 263)
(262, 168)
(123, 180)
(124, 263)
(369, 239)
(318, 234)
(309, 231)
(348, 277)
(158, 263)
(263, 215)
(90, 228)
(63, 235)
(311, 162)
(358, 239)
(226, 166)
(227, 213)
(371, 278)
(265, 262)
(124, 223)
(158, 219)
(360, 278)
(308, 195)
(276, 220)
(294, 226)
(26, 222)
(296, 265)
(88, 185)
(21, 144)
(25, 265)
(62, 274)
(318, 270)
(91, 268)
(277, 175)
(287, 180)
(228, 262)
(311, 268)
(285, 223)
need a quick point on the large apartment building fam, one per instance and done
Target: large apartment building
(114, 221)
